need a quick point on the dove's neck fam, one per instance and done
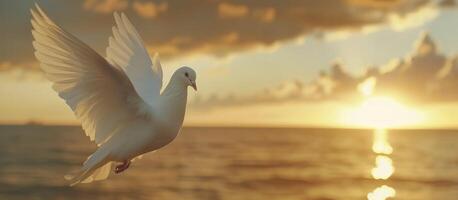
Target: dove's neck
(174, 99)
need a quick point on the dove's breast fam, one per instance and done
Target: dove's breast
(131, 140)
(143, 136)
(162, 137)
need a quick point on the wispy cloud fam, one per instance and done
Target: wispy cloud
(105, 6)
(265, 14)
(228, 10)
(6, 65)
(28, 66)
(149, 9)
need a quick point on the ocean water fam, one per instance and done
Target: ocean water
(240, 163)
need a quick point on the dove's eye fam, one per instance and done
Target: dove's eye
(186, 74)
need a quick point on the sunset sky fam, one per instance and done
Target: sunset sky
(332, 63)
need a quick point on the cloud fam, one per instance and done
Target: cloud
(262, 14)
(5, 65)
(9, 65)
(254, 24)
(396, 14)
(105, 6)
(265, 14)
(227, 10)
(178, 28)
(424, 76)
(376, 4)
(19, 72)
(413, 19)
(149, 9)
(448, 3)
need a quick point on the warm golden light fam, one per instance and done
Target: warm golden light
(381, 112)
(381, 144)
(381, 193)
(383, 167)
(367, 86)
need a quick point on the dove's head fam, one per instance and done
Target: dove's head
(188, 75)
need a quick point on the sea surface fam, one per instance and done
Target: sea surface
(240, 164)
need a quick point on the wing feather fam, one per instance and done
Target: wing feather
(95, 90)
(127, 52)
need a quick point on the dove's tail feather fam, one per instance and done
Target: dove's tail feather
(97, 167)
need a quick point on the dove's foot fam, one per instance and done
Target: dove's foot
(120, 168)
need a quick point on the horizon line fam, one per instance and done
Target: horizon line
(253, 126)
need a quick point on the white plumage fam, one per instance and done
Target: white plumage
(118, 98)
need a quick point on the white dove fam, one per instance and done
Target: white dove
(118, 98)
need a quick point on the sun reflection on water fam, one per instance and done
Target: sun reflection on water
(381, 193)
(383, 168)
(381, 144)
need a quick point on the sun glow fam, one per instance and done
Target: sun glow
(367, 86)
(381, 112)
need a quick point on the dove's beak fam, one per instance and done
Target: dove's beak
(194, 86)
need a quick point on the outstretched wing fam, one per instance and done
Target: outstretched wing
(98, 93)
(126, 51)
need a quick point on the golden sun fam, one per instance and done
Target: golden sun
(381, 112)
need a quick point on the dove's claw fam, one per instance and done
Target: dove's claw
(120, 168)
